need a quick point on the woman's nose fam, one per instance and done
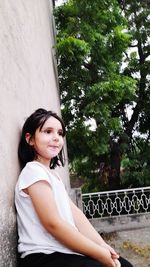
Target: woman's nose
(55, 137)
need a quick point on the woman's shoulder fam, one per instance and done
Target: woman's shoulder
(33, 168)
(32, 165)
(31, 173)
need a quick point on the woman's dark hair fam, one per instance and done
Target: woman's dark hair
(37, 119)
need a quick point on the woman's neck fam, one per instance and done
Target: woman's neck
(44, 162)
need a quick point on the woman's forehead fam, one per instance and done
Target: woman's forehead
(52, 122)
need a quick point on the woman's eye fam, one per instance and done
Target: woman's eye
(47, 131)
(60, 133)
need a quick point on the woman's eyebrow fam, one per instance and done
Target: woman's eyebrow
(51, 128)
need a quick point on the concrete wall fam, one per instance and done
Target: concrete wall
(121, 223)
(28, 80)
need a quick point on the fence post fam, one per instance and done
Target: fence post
(76, 196)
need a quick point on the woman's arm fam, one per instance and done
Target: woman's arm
(86, 228)
(45, 206)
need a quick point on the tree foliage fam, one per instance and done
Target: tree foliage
(101, 78)
(138, 67)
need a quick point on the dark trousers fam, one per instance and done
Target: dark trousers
(63, 260)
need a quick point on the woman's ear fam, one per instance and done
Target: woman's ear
(29, 139)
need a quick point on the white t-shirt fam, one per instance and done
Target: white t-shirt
(33, 237)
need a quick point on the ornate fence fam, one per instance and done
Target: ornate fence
(116, 203)
(119, 209)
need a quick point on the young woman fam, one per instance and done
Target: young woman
(52, 231)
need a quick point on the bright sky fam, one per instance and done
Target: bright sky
(59, 2)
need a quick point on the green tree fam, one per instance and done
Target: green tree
(137, 66)
(92, 41)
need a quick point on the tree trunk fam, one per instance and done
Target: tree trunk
(115, 160)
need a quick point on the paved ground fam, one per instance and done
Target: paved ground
(134, 245)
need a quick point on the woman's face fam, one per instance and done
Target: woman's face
(48, 141)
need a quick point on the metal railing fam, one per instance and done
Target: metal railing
(116, 203)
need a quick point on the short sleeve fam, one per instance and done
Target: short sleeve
(31, 174)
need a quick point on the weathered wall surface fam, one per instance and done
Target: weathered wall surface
(27, 81)
(121, 223)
